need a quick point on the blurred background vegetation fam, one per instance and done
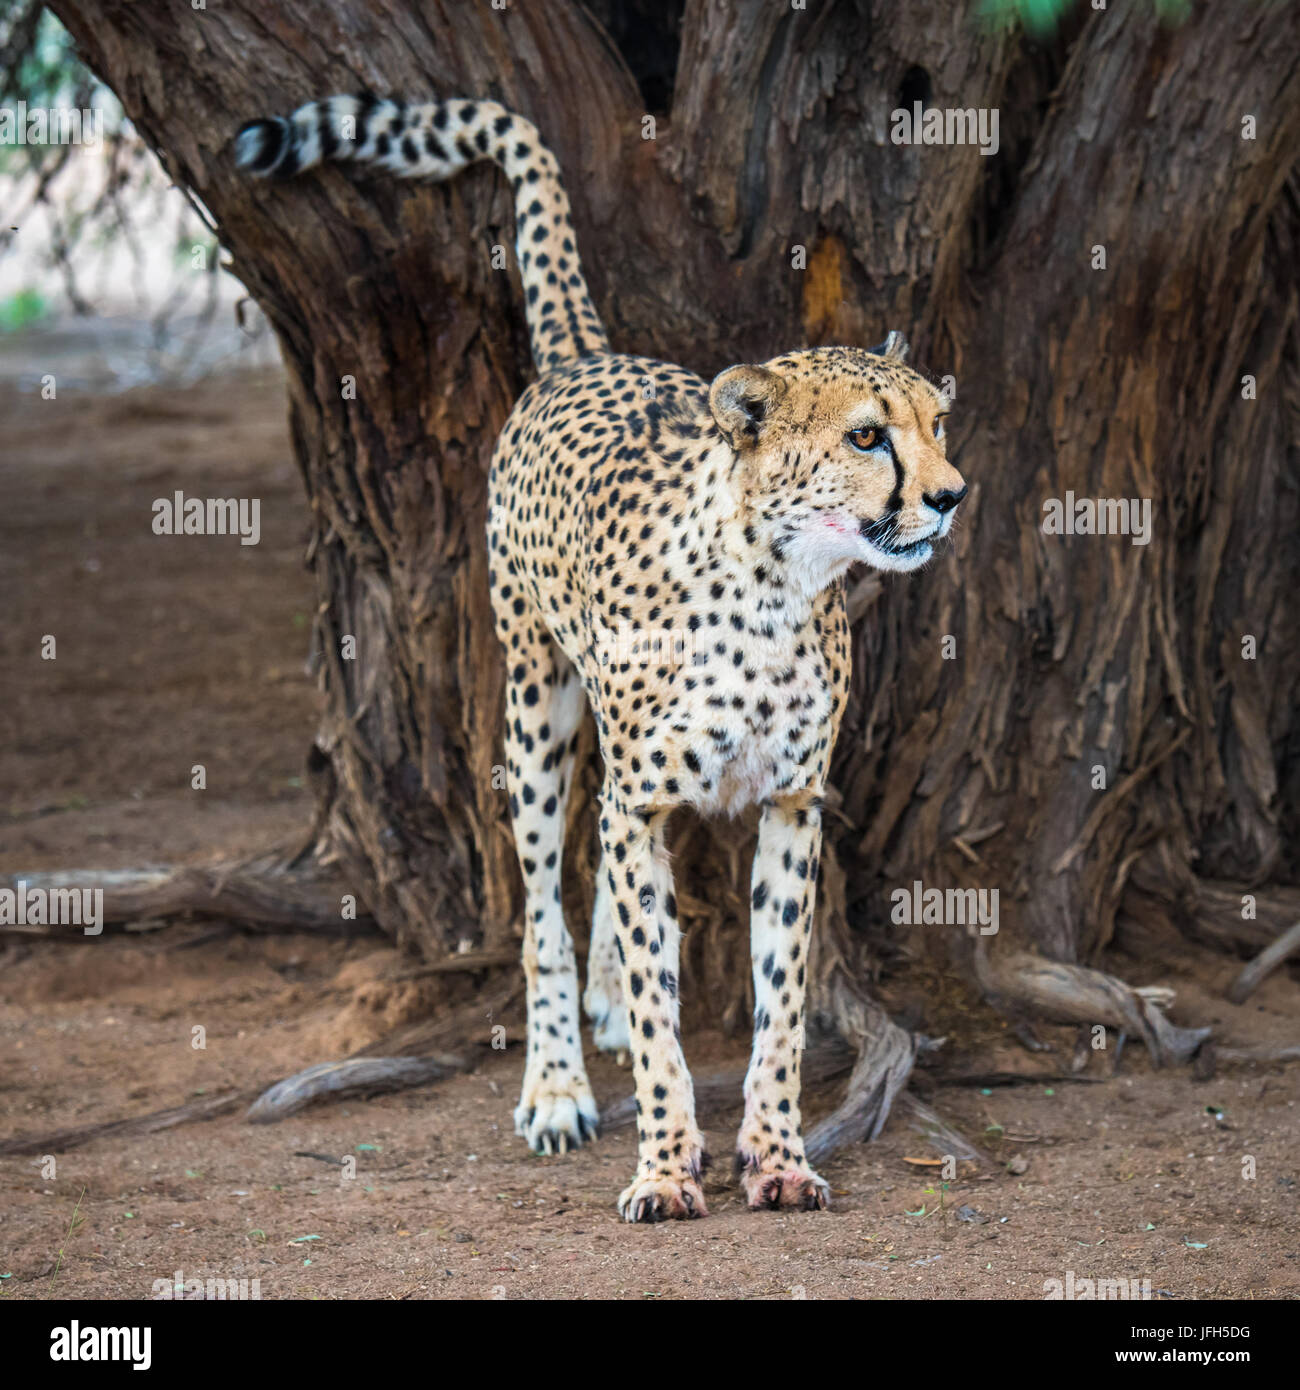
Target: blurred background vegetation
(113, 268)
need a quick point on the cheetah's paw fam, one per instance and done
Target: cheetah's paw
(798, 1187)
(555, 1121)
(662, 1199)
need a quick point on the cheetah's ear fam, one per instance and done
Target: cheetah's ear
(741, 399)
(894, 346)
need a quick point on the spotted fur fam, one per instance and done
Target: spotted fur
(433, 141)
(670, 554)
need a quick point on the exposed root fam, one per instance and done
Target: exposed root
(414, 1041)
(1268, 960)
(821, 1065)
(61, 1140)
(1211, 1055)
(1019, 983)
(351, 1077)
(985, 1079)
(886, 1053)
(266, 892)
(938, 1133)
(1165, 898)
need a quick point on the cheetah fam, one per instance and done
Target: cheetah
(670, 553)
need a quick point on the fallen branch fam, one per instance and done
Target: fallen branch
(262, 892)
(60, 1140)
(1017, 983)
(1209, 1057)
(410, 1040)
(351, 1077)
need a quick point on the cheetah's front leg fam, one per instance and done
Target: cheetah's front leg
(670, 1155)
(769, 1150)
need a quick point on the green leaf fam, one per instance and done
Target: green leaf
(19, 310)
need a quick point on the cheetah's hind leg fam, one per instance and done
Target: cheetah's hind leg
(544, 705)
(603, 999)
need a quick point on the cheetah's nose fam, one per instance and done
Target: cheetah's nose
(943, 501)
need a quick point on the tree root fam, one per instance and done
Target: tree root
(266, 892)
(1019, 983)
(350, 1077)
(886, 1053)
(1165, 897)
(61, 1140)
(987, 1079)
(412, 1041)
(839, 1006)
(938, 1133)
(1211, 1055)
(1268, 960)
(408, 1056)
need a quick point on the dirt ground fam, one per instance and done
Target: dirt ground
(178, 651)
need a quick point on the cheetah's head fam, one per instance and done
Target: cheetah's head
(841, 458)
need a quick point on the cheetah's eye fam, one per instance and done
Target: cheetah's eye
(864, 440)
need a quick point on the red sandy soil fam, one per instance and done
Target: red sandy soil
(176, 651)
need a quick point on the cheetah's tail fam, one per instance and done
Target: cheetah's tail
(435, 140)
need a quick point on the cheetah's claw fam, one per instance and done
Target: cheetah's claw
(651, 1200)
(791, 1188)
(555, 1124)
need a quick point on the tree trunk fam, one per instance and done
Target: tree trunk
(1096, 734)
